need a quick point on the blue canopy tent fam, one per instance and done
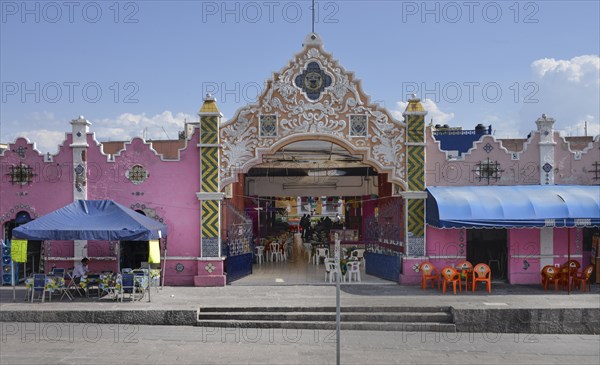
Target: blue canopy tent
(102, 220)
(513, 206)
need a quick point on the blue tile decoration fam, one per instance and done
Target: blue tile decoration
(313, 81)
(547, 168)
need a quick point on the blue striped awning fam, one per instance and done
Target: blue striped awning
(513, 206)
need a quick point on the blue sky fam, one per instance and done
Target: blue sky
(502, 63)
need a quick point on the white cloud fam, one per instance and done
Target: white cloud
(433, 112)
(45, 140)
(505, 126)
(44, 116)
(577, 70)
(129, 125)
(124, 127)
(569, 91)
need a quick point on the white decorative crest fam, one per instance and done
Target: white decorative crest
(312, 98)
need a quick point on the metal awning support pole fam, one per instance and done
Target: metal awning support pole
(568, 259)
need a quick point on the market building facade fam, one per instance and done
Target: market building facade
(213, 185)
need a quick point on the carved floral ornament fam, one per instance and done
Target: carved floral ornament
(312, 98)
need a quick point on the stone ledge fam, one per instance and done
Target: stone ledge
(138, 317)
(531, 320)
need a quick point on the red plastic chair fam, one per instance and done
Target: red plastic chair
(582, 279)
(482, 273)
(450, 275)
(429, 272)
(551, 274)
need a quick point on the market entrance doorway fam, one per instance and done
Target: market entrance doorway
(489, 246)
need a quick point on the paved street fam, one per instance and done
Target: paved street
(51, 343)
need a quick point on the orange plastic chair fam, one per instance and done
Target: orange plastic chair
(466, 272)
(543, 274)
(551, 275)
(429, 273)
(450, 275)
(568, 271)
(572, 263)
(582, 279)
(482, 273)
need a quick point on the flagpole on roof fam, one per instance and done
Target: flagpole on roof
(313, 16)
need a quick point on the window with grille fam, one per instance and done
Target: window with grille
(137, 174)
(488, 170)
(21, 174)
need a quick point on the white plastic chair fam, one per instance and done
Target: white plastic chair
(322, 252)
(283, 252)
(359, 253)
(332, 269)
(353, 270)
(259, 253)
(275, 253)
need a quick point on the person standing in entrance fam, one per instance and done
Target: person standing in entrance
(301, 224)
(304, 223)
(80, 270)
(308, 228)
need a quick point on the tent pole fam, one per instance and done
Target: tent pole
(12, 272)
(164, 266)
(149, 282)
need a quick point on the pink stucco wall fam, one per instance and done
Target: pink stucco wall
(443, 249)
(524, 170)
(50, 189)
(446, 244)
(569, 170)
(51, 186)
(169, 193)
(561, 244)
(524, 256)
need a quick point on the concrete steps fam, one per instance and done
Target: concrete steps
(433, 319)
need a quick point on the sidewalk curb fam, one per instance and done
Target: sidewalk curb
(137, 317)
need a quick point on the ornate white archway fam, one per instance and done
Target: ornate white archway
(313, 98)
